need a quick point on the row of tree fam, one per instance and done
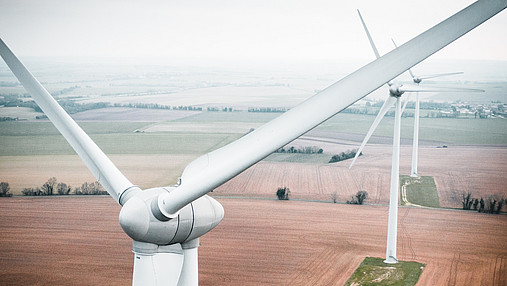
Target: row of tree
(52, 187)
(491, 205)
(344, 156)
(301, 150)
(267, 109)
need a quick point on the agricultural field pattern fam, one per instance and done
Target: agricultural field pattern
(154, 120)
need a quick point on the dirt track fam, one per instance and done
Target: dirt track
(78, 241)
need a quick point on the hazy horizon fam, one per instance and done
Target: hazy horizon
(232, 31)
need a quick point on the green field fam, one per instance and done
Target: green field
(373, 271)
(420, 191)
(41, 138)
(446, 130)
(25, 138)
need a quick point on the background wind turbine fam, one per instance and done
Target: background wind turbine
(415, 139)
(395, 92)
(165, 223)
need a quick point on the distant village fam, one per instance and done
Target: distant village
(464, 110)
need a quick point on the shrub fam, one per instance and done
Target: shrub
(467, 201)
(283, 193)
(63, 189)
(334, 197)
(32, 192)
(5, 190)
(49, 187)
(359, 198)
(90, 189)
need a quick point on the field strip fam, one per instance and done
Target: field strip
(404, 196)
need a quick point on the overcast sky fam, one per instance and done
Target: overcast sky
(234, 29)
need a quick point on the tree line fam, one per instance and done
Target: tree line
(344, 156)
(301, 150)
(52, 187)
(491, 205)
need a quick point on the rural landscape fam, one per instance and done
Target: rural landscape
(152, 121)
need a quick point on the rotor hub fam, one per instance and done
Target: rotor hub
(192, 221)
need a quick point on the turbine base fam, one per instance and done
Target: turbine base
(391, 260)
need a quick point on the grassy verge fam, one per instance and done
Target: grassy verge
(373, 271)
(420, 191)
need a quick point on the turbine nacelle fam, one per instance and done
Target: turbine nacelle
(193, 220)
(395, 90)
(417, 80)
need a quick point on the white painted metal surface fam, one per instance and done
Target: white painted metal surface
(394, 194)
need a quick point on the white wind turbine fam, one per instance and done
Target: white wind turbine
(415, 139)
(165, 223)
(395, 92)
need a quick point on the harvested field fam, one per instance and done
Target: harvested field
(78, 241)
(478, 169)
(147, 171)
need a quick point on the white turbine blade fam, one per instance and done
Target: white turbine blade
(213, 169)
(159, 268)
(383, 110)
(405, 104)
(420, 88)
(409, 70)
(113, 181)
(377, 55)
(439, 75)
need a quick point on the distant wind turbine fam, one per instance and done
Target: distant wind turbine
(396, 90)
(415, 139)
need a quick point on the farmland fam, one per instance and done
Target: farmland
(36, 148)
(291, 243)
(259, 242)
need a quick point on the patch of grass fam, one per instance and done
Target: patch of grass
(420, 191)
(373, 271)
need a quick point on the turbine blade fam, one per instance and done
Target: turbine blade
(383, 110)
(409, 70)
(375, 51)
(420, 88)
(405, 103)
(113, 181)
(215, 168)
(439, 75)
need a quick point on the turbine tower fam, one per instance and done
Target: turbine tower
(395, 92)
(165, 223)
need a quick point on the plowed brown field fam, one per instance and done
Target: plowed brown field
(78, 241)
(457, 169)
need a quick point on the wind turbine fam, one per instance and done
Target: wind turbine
(395, 92)
(415, 139)
(165, 223)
